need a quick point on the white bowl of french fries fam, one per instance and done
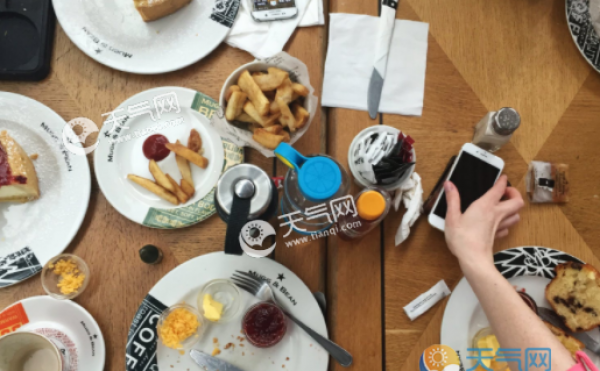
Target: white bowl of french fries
(264, 103)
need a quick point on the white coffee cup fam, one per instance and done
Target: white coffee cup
(28, 351)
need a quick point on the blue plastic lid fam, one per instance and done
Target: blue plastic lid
(319, 178)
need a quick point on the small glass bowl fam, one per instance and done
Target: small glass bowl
(225, 292)
(50, 280)
(247, 321)
(192, 339)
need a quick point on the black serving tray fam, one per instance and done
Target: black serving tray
(26, 34)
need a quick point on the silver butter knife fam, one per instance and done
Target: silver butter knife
(548, 315)
(384, 39)
(211, 363)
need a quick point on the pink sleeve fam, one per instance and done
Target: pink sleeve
(582, 361)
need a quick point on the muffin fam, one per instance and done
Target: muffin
(574, 294)
(573, 345)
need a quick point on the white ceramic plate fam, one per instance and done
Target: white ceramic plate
(585, 37)
(113, 33)
(297, 351)
(32, 233)
(68, 325)
(530, 268)
(119, 154)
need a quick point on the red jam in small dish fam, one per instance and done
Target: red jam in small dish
(264, 325)
(154, 147)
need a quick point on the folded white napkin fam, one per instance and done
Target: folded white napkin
(350, 60)
(265, 39)
(411, 194)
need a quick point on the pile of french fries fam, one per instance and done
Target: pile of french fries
(269, 103)
(164, 186)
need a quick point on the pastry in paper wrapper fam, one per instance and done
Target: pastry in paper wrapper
(298, 72)
(547, 182)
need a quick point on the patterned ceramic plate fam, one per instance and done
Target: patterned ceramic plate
(31, 233)
(584, 35)
(528, 268)
(172, 112)
(113, 33)
(296, 351)
(68, 325)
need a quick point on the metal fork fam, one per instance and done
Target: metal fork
(262, 290)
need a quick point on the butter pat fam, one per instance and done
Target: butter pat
(151, 10)
(212, 308)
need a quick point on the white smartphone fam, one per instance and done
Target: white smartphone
(273, 10)
(474, 172)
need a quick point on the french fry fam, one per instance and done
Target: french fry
(266, 139)
(250, 109)
(284, 92)
(256, 96)
(270, 81)
(187, 188)
(299, 89)
(235, 105)
(188, 154)
(286, 136)
(179, 193)
(244, 117)
(301, 115)
(160, 177)
(275, 129)
(287, 118)
(230, 90)
(194, 141)
(184, 168)
(154, 188)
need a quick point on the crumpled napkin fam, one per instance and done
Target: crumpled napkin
(351, 57)
(411, 194)
(265, 39)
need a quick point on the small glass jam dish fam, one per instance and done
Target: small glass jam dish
(264, 324)
(224, 292)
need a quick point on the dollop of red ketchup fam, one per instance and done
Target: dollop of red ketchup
(154, 147)
(264, 325)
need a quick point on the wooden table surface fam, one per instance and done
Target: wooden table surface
(483, 55)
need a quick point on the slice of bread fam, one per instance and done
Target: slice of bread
(572, 344)
(574, 294)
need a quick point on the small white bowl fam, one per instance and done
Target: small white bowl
(358, 179)
(258, 66)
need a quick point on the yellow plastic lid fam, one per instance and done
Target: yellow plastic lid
(370, 205)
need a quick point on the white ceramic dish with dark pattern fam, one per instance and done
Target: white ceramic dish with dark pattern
(584, 35)
(528, 268)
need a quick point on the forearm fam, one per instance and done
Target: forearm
(513, 322)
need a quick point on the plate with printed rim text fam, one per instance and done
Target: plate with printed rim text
(113, 33)
(529, 268)
(65, 323)
(32, 233)
(584, 35)
(296, 351)
(172, 112)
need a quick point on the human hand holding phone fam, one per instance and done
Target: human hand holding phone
(470, 235)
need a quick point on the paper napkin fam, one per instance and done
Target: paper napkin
(265, 39)
(350, 59)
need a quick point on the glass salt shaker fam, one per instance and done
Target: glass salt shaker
(496, 129)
